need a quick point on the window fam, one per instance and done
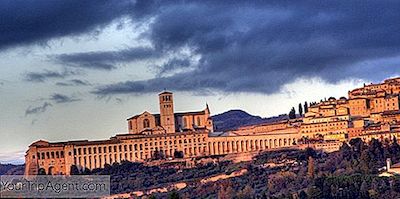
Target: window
(198, 121)
(146, 123)
(130, 124)
(184, 122)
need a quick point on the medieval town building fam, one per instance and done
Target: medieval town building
(369, 112)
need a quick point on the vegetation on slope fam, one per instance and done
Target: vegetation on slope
(351, 172)
(236, 118)
(10, 169)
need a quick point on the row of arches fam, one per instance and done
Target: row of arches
(98, 161)
(237, 146)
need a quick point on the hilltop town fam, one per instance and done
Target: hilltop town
(190, 137)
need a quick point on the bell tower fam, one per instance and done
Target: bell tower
(167, 118)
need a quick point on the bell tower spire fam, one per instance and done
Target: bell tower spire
(167, 118)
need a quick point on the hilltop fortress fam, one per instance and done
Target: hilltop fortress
(369, 112)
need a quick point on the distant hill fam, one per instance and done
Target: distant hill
(236, 118)
(10, 169)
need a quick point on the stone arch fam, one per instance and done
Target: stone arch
(237, 146)
(51, 171)
(41, 171)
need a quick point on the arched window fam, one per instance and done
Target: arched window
(146, 123)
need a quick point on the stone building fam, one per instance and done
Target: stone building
(328, 120)
(369, 112)
(167, 121)
(165, 135)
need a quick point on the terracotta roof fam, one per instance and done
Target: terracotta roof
(190, 113)
(136, 116)
(391, 112)
(165, 92)
(176, 114)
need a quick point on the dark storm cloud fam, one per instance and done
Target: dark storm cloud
(173, 64)
(60, 98)
(47, 74)
(106, 60)
(255, 46)
(38, 109)
(29, 22)
(55, 98)
(242, 46)
(74, 82)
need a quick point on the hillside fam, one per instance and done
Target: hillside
(236, 118)
(10, 169)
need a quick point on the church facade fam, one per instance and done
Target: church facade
(167, 121)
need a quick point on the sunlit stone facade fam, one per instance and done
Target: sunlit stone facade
(368, 112)
(153, 136)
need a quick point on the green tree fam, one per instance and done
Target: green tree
(178, 154)
(305, 107)
(226, 192)
(174, 195)
(394, 150)
(292, 113)
(303, 195)
(300, 109)
(152, 197)
(74, 170)
(345, 150)
(247, 192)
(314, 193)
(364, 190)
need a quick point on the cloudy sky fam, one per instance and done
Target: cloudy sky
(77, 69)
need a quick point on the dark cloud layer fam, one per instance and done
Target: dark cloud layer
(56, 98)
(242, 46)
(173, 64)
(28, 22)
(47, 74)
(106, 60)
(260, 46)
(60, 98)
(74, 82)
(38, 109)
